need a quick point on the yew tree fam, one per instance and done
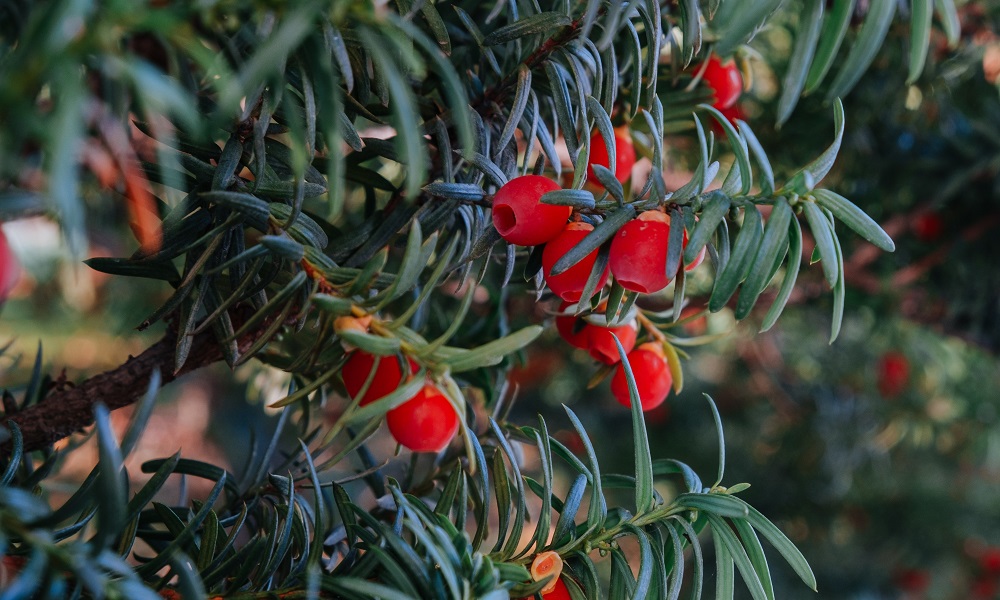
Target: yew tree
(390, 202)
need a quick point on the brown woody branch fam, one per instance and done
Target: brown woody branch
(66, 410)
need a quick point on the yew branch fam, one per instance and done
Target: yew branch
(65, 410)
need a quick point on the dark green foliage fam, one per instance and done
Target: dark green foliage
(321, 161)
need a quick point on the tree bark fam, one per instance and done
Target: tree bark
(66, 410)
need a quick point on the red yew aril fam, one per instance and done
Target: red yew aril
(652, 377)
(425, 423)
(893, 373)
(593, 337)
(569, 284)
(990, 560)
(725, 79)
(521, 218)
(560, 592)
(928, 227)
(10, 270)
(602, 346)
(624, 155)
(638, 257)
(697, 260)
(572, 328)
(387, 378)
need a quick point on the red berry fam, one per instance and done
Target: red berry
(652, 377)
(572, 328)
(928, 227)
(387, 378)
(10, 270)
(893, 374)
(985, 588)
(425, 423)
(624, 155)
(725, 79)
(602, 346)
(732, 113)
(912, 580)
(521, 218)
(697, 260)
(990, 560)
(569, 284)
(560, 592)
(638, 257)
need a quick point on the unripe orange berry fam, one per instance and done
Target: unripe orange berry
(624, 156)
(521, 218)
(652, 377)
(569, 284)
(638, 257)
(425, 423)
(725, 79)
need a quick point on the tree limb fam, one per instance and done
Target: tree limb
(68, 409)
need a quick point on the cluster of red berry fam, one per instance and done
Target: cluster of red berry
(637, 260)
(637, 257)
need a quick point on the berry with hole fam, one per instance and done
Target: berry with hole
(624, 155)
(725, 80)
(569, 284)
(424, 423)
(652, 377)
(638, 257)
(521, 218)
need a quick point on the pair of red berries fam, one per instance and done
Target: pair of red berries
(424, 423)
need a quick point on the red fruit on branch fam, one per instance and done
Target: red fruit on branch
(573, 328)
(990, 560)
(10, 270)
(638, 257)
(893, 374)
(928, 227)
(521, 218)
(652, 377)
(559, 592)
(425, 423)
(725, 79)
(569, 284)
(602, 346)
(388, 375)
(624, 155)
(915, 581)
(595, 338)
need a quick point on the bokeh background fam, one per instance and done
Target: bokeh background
(878, 454)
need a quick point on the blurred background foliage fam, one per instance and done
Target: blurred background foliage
(889, 488)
